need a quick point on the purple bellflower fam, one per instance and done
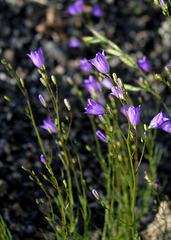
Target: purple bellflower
(117, 91)
(107, 83)
(49, 124)
(161, 121)
(158, 184)
(74, 43)
(94, 108)
(93, 87)
(37, 58)
(134, 115)
(97, 11)
(85, 65)
(77, 7)
(91, 84)
(144, 64)
(102, 136)
(169, 65)
(123, 110)
(101, 63)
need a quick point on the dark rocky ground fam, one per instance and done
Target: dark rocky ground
(138, 27)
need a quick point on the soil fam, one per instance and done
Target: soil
(137, 27)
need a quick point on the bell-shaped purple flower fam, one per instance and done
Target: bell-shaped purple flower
(107, 83)
(77, 7)
(102, 136)
(101, 63)
(97, 11)
(144, 64)
(91, 84)
(49, 125)
(94, 108)
(93, 87)
(37, 58)
(161, 121)
(157, 183)
(123, 110)
(117, 91)
(134, 115)
(169, 65)
(74, 43)
(85, 65)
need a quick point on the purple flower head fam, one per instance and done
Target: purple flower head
(169, 65)
(161, 121)
(123, 110)
(117, 91)
(101, 63)
(49, 124)
(107, 83)
(77, 7)
(37, 58)
(43, 159)
(163, 4)
(85, 65)
(97, 11)
(134, 115)
(95, 194)
(144, 64)
(91, 84)
(94, 108)
(74, 43)
(158, 184)
(102, 136)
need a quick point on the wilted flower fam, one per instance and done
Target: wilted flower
(157, 183)
(161, 121)
(117, 91)
(85, 65)
(77, 7)
(49, 124)
(101, 63)
(37, 58)
(74, 43)
(97, 11)
(134, 115)
(95, 193)
(144, 64)
(102, 136)
(94, 108)
(43, 159)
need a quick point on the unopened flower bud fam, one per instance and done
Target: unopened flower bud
(43, 82)
(95, 193)
(43, 159)
(42, 100)
(22, 82)
(67, 104)
(53, 79)
(114, 77)
(7, 98)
